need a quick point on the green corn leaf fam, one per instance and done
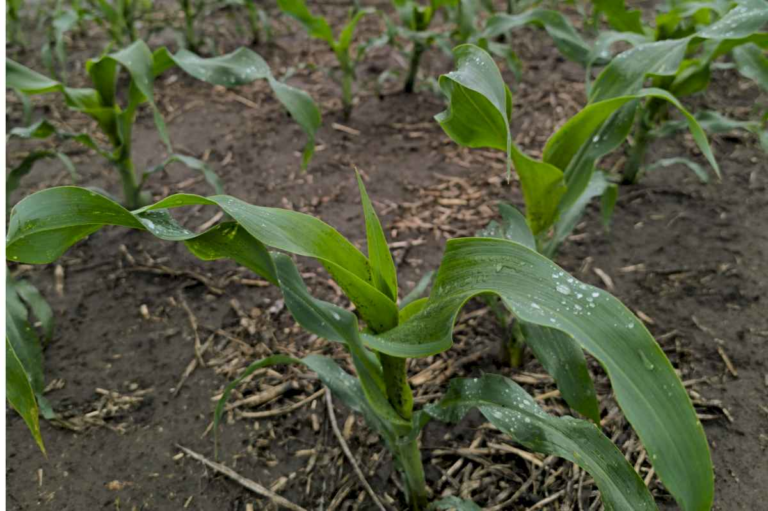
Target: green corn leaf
(711, 121)
(534, 288)
(619, 17)
(480, 103)
(28, 81)
(19, 393)
(333, 323)
(571, 215)
(382, 264)
(752, 62)
(601, 50)
(138, 60)
(241, 67)
(304, 111)
(560, 355)
(230, 241)
(626, 73)
(63, 21)
(345, 37)
(543, 188)
(43, 228)
(566, 143)
(14, 177)
(513, 227)
(508, 407)
(41, 129)
(568, 41)
(22, 336)
(45, 224)
(668, 162)
(564, 360)
(609, 136)
(24, 352)
(37, 304)
(480, 106)
(193, 163)
(316, 26)
(412, 308)
(26, 107)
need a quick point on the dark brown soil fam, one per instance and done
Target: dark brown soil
(690, 257)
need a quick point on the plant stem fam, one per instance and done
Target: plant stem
(189, 25)
(413, 470)
(410, 82)
(515, 345)
(131, 189)
(633, 168)
(347, 79)
(400, 396)
(399, 393)
(253, 19)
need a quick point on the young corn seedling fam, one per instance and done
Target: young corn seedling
(191, 10)
(318, 27)
(116, 122)
(569, 317)
(495, 33)
(557, 188)
(678, 55)
(258, 20)
(53, 52)
(566, 38)
(120, 17)
(14, 31)
(415, 20)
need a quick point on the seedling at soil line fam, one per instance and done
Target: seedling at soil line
(116, 123)
(416, 19)
(318, 27)
(575, 316)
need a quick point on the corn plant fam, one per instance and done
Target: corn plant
(14, 31)
(318, 27)
(53, 52)
(569, 317)
(258, 20)
(557, 26)
(23, 352)
(119, 17)
(192, 10)
(116, 123)
(678, 54)
(415, 21)
(557, 188)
